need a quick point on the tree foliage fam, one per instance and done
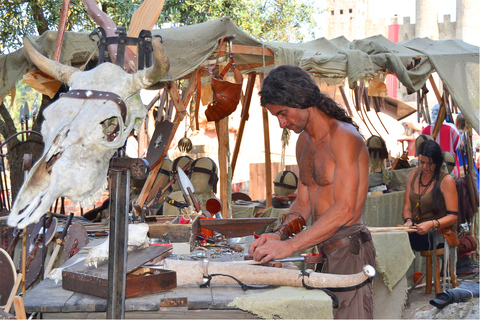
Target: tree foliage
(271, 20)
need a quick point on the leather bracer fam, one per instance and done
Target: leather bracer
(290, 228)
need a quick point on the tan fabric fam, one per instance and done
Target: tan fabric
(356, 303)
(455, 61)
(393, 256)
(287, 303)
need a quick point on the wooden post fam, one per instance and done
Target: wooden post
(245, 107)
(441, 110)
(222, 134)
(179, 105)
(268, 161)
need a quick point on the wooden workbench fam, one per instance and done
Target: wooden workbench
(390, 288)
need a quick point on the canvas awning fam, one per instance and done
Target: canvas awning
(189, 47)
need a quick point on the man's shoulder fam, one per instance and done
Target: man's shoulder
(345, 131)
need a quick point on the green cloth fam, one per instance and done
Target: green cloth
(287, 303)
(393, 257)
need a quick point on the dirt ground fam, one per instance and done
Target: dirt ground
(418, 306)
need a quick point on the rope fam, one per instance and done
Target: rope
(332, 295)
(244, 286)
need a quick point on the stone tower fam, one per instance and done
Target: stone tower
(346, 18)
(468, 22)
(426, 25)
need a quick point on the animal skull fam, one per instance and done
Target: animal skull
(81, 135)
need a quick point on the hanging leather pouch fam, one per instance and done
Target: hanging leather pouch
(450, 235)
(226, 95)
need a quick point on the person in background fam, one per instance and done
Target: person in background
(333, 170)
(461, 154)
(431, 201)
(448, 137)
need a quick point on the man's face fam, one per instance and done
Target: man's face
(291, 118)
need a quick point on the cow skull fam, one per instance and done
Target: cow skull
(81, 135)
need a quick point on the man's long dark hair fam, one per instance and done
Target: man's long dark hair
(432, 150)
(293, 87)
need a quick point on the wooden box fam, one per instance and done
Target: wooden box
(140, 280)
(168, 225)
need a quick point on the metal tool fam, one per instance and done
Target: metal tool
(58, 245)
(187, 190)
(305, 257)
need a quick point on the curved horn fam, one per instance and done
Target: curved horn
(161, 65)
(193, 272)
(52, 68)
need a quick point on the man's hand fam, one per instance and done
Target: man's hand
(269, 247)
(260, 241)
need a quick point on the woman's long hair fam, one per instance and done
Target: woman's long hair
(432, 150)
(293, 87)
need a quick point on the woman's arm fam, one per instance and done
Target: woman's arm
(449, 191)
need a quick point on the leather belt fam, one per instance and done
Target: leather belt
(352, 241)
(98, 95)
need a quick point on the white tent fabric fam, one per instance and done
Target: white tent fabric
(192, 46)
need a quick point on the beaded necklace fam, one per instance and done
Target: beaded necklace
(420, 194)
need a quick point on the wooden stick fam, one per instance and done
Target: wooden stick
(245, 107)
(24, 259)
(180, 114)
(441, 110)
(19, 308)
(144, 18)
(222, 134)
(61, 30)
(391, 229)
(13, 293)
(268, 161)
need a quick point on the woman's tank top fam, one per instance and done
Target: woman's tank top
(426, 202)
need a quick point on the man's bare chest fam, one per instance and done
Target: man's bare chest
(316, 166)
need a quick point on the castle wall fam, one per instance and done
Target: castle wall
(358, 24)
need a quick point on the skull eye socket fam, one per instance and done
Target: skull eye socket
(110, 129)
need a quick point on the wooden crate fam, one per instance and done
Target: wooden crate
(140, 280)
(168, 225)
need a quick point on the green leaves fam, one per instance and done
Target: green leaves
(268, 20)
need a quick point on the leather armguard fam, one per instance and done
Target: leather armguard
(291, 228)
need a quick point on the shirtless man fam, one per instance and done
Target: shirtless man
(333, 163)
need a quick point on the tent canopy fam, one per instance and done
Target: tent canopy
(192, 46)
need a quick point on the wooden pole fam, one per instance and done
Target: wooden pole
(441, 109)
(179, 105)
(268, 161)
(222, 134)
(61, 30)
(245, 107)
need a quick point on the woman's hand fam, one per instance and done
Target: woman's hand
(423, 227)
(408, 223)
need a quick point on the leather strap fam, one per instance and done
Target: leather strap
(98, 95)
(359, 237)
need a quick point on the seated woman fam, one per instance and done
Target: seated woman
(431, 201)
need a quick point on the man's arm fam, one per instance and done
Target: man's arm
(351, 156)
(300, 205)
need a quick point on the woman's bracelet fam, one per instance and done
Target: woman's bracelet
(407, 218)
(437, 226)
